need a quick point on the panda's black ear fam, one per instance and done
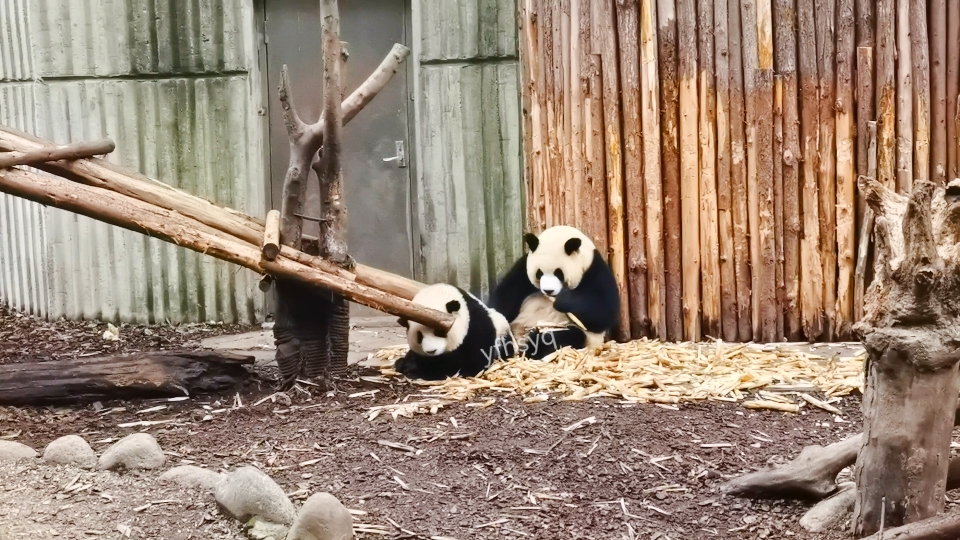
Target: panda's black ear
(403, 322)
(532, 241)
(453, 306)
(572, 245)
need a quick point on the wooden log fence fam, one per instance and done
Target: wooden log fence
(712, 149)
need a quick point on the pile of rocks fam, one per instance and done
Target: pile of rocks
(245, 494)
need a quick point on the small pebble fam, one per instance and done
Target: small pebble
(70, 450)
(136, 451)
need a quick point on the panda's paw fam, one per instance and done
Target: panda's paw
(405, 365)
(538, 344)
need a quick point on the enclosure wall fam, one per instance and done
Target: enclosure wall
(713, 147)
(176, 85)
(469, 186)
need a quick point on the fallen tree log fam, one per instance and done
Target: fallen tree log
(142, 217)
(129, 376)
(942, 527)
(812, 474)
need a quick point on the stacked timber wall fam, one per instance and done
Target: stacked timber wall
(712, 148)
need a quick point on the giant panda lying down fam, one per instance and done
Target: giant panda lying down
(560, 294)
(478, 337)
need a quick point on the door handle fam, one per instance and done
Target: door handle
(400, 158)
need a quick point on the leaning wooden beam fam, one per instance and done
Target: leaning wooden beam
(271, 236)
(129, 376)
(68, 152)
(102, 174)
(138, 216)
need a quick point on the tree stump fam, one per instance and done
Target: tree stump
(911, 332)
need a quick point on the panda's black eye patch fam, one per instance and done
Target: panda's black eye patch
(559, 273)
(539, 274)
(440, 333)
(420, 337)
(453, 306)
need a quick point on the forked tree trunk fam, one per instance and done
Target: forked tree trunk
(910, 331)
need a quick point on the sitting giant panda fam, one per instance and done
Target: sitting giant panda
(562, 282)
(479, 336)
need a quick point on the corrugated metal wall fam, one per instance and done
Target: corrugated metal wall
(469, 183)
(176, 86)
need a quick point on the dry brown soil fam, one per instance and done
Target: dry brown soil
(507, 471)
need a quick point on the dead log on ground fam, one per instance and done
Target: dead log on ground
(129, 376)
(910, 332)
(812, 474)
(940, 527)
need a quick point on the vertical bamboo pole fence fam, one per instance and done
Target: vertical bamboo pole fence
(650, 114)
(710, 286)
(786, 64)
(738, 176)
(711, 148)
(846, 168)
(728, 279)
(628, 12)
(689, 167)
(670, 166)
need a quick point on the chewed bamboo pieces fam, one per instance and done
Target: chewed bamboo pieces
(647, 371)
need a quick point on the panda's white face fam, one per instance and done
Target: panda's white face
(426, 341)
(558, 257)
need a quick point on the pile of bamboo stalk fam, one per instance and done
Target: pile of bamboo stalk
(712, 148)
(70, 178)
(646, 371)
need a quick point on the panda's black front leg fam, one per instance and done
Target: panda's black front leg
(541, 343)
(407, 365)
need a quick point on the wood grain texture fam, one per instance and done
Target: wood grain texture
(628, 13)
(728, 277)
(606, 41)
(886, 93)
(786, 61)
(689, 167)
(953, 88)
(938, 90)
(904, 110)
(670, 165)
(846, 168)
(738, 176)
(650, 112)
(827, 175)
(710, 282)
(811, 267)
(920, 50)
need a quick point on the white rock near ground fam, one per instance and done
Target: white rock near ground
(831, 513)
(136, 451)
(191, 476)
(247, 493)
(322, 517)
(14, 451)
(70, 450)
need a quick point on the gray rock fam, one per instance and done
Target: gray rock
(70, 450)
(259, 529)
(14, 451)
(247, 493)
(830, 513)
(190, 476)
(322, 517)
(137, 451)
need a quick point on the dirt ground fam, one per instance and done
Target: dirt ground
(510, 470)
